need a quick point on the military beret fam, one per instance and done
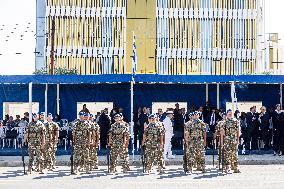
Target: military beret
(50, 114)
(86, 114)
(196, 113)
(91, 115)
(117, 115)
(81, 113)
(152, 116)
(229, 110)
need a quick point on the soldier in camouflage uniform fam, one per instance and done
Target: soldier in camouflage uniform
(217, 136)
(153, 140)
(35, 137)
(195, 142)
(54, 140)
(127, 142)
(47, 152)
(118, 137)
(95, 142)
(229, 131)
(81, 144)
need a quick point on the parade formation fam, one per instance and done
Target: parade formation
(42, 138)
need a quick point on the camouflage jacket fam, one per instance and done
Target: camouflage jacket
(35, 132)
(81, 132)
(153, 133)
(231, 128)
(195, 128)
(119, 132)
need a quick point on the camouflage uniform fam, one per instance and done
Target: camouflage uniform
(119, 134)
(195, 146)
(35, 133)
(231, 129)
(54, 143)
(219, 144)
(95, 130)
(47, 153)
(126, 153)
(153, 152)
(81, 145)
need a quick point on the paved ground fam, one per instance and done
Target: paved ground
(252, 176)
(15, 161)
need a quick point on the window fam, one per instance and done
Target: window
(95, 107)
(18, 108)
(165, 105)
(245, 106)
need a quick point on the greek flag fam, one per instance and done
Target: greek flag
(134, 56)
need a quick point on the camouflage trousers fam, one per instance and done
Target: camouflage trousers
(230, 154)
(53, 153)
(81, 156)
(93, 157)
(34, 150)
(195, 155)
(116, 152)
(47, 156)
(154, 154)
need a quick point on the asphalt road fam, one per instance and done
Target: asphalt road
(252, 176)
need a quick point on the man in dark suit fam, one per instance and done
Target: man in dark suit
(264, 127)
(253, 128)
(143, 121)
(212, 120)
(278, 130)
(104, 123)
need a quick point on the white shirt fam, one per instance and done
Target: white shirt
(168, 127)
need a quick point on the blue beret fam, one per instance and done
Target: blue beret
(81, 114)
(91, 115)
(50, 114)
(229, 110)
(197, 113)
(117, 115)
(152, 116)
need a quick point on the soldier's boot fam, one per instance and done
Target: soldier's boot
(29, 170)
(161, 170)
(40, 170)
(75, 170)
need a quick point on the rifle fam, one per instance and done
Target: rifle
(23, 158)
(108, 158)
(143, 158)
(219, 153)
(184, 157)
(72, 159)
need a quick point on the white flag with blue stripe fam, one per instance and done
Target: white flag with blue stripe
(134, 56)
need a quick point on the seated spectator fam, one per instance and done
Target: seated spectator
(17, 120)
(6, 119)
(2, 133)
(85, 109)
(26, 116)
(10, 123)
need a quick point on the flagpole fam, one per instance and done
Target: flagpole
(134, 59)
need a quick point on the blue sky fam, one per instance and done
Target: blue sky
(12, 63)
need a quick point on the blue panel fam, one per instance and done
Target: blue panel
(145, 94)
(119, 94)
(20, 93)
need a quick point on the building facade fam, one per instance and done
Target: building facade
(208, 37)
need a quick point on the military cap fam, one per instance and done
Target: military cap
(81, 113)
(152, 116)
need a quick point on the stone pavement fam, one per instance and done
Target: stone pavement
(252, 177)
(64, 160)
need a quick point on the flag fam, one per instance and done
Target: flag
(134, 57)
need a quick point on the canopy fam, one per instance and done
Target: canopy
(139, 78)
